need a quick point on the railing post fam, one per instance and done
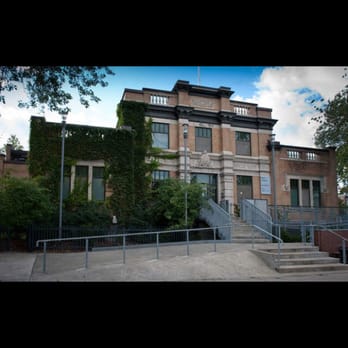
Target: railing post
(44, 259)
(124, 248)
(252, 236)
(86, 258)
(157, 241)
(188, 243)
(302, 233)
(279, 232)
(278, 254)
(344, 256)
(312, 234)
(214, 230)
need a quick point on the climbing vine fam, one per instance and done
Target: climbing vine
(132, 114)
(114, 146)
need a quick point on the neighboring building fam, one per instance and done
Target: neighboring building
(305, 176)
(14, 163)
(228, 148)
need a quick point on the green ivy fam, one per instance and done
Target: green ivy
(115, 146)
(132, 114)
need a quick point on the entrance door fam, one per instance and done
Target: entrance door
(209, 183)
(244, 187)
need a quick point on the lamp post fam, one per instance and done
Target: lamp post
(61, 178)
(185, 125)
(274, 181)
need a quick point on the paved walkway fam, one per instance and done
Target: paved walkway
(231, 262)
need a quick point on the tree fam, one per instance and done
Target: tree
(14, 141)
(333, 130)
(45, 84)
(168, 205)
(23, 202)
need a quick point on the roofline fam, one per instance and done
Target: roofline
(308, 148)
(242, 102)
(70, 124)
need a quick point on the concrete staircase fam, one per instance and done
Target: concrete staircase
(298, 257)
(243, 233)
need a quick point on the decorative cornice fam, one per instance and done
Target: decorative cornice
(182, 85)
(183, 111)
(225, 117)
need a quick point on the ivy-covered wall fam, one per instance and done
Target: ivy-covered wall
(132, 114)
(114, 146)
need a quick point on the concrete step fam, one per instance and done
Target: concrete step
(312, 268)
(248, 240)
(290, 249)
(248, 235)
(301, 254)
(308, 261)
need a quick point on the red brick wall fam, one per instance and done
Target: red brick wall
(326, 241)
(17, 170)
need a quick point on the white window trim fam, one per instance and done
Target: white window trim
(90, 165)
(310, 179)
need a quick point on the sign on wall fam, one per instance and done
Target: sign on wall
(265, 185)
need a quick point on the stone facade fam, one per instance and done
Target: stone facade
(237, 160)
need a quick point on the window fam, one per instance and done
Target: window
(98, 186)
(81, 180)
(295, 202)
(305, 193)
(160, 135)
(203, 139)
(158, 175)
(66, 182)
(209, 184)
(316, 193)
(306, 199)
(87, 180)
(293, 154)
(244, 187)
(243, 144)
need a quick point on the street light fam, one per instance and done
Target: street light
(274, 181)
(61, 178)
(185, 125)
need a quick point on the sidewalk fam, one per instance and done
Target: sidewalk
(231, 262)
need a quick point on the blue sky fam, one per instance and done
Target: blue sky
(287, 90)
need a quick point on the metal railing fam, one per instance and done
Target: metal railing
(123, 245)
(255, 216)
(309, 215)
(279, 240)
(344, 240)
(214, 215)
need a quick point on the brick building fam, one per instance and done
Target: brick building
(305, 176)
(14, 163)
(229, 148)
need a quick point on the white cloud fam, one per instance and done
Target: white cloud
(15, 120)
(279, 89)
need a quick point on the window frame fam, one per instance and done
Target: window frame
(162, 128)
(240, 143)
(202, 145)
